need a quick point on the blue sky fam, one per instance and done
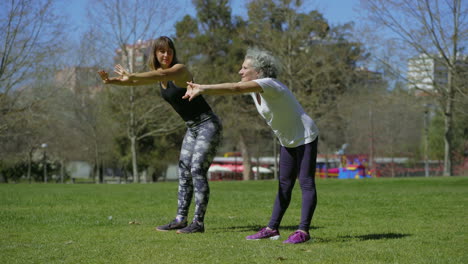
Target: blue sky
(335, 11)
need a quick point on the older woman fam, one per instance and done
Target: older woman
(295, 130)
(201, 140)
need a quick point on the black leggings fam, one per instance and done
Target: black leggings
(296, 162)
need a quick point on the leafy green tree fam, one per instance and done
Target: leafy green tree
(211, 45)
(319, 62)
(436, 132)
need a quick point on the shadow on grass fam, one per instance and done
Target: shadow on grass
(287, 229)
(255, 228)
(377, 236)
(364, 237)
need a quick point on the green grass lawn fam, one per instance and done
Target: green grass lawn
(405, 220)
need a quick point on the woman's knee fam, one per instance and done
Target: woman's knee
(307, 183)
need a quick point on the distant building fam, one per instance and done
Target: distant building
(426, 73)
(137, 53)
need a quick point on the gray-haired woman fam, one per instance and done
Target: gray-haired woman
(295, 130)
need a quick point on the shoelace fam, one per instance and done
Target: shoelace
(299, 234)
(194, 225)
(266, 231)
(174, 223)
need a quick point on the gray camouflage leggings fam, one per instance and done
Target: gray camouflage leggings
(198, 151)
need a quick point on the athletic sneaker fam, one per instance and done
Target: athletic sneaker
(194, 227)
(297, 237)
(264, 233)
(175, 224)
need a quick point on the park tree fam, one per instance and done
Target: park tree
(318, 60)
(81, 111)
(29, 48)
(436, 30)
(397, 124)
(29, 54)
(21, 141)
(82, 122)
(120, 25)
(211, 46)
(358, 109)
(38, 138)
(436, 132)
(305, 44)
(37, 130)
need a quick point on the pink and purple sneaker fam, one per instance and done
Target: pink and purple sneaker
(297, 237)
(265, 233)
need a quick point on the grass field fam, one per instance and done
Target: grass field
(405, 220)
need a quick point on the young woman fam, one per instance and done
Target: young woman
(295, 130)
(201, 139)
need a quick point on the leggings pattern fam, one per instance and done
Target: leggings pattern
(298, 162)
(198, 151)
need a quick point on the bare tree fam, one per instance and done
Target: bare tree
(27, 45)
(29, 52)
(121, 24)
(80, 122)
(438, 30)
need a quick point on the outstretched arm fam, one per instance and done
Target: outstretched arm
(177, 73)
(121, 80)
(106, 79)
(194, 90)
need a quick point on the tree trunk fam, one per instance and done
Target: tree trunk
(97, 178)
(247, 173)
(371, 143)
(448, 128)
(132, 133)
(5, 178)
(136, 177)
(426, 141)
(448, 135)
(392, 167)
(45, 166)
(29, 165)
(62, 170)
(326, 163)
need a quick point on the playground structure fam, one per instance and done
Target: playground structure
(342, 167)
(354, 170)
(230, 167)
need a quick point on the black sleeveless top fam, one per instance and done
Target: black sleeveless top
(188, 110)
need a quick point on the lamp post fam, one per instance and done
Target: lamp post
(44, 147)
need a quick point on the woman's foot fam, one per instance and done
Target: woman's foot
(265, 232)
(174, 225)
(194, 227)
(297, 237)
